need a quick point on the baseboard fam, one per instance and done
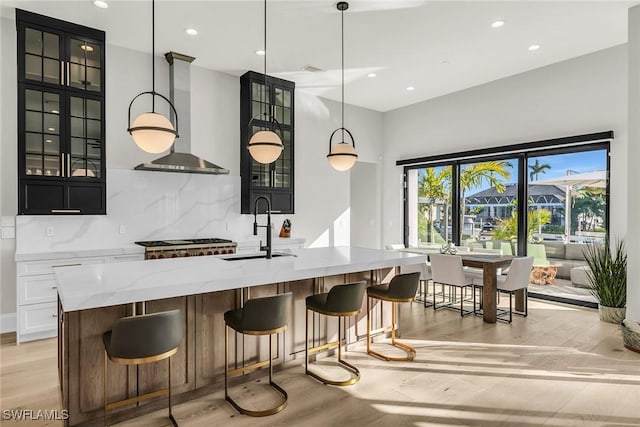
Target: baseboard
(7, 323)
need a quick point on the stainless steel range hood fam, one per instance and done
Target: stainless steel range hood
(180, 159)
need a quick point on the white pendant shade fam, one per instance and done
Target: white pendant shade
(265, 146)
(83, 172)
(342, 156)
(147, 132)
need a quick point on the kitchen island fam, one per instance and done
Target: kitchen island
(93, 297)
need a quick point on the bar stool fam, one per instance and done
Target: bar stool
(402, 288)
(259, 316)
(138, 340)
(341, 301)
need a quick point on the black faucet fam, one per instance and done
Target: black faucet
(268, 226)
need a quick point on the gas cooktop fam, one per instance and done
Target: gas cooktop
(156, 243)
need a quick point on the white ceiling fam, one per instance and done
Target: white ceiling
(438, 47)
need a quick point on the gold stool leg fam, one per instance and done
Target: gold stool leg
(106, 387)
(355, 377)
(411, 352)
(259, 413)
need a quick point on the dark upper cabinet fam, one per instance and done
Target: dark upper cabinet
(61, 117)
(275, 180)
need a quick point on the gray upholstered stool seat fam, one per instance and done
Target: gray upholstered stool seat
(259, 316)
(341, 301)
(402, 288)
(142, 339)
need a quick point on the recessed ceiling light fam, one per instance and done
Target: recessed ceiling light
(410, 88)
(534, 47)
(86, 47)
(55, 111)
(497, 24)
(101, 4)
(51, 129)
(371, 75)
(260, 52)
(191, 31)
(48, 140)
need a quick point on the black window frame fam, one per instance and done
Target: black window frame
(522, 152)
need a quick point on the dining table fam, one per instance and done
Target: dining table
(490, 264)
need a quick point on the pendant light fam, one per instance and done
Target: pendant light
(342, 156)
(265, 146)
(151, 131)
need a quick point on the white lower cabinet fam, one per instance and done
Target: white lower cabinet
(37, 293)
(38, 321)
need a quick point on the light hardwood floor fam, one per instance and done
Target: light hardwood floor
(560, 366)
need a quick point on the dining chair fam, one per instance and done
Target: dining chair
(424, 268)
(517, 279)
(447, 270)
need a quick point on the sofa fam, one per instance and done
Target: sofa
(570, 257)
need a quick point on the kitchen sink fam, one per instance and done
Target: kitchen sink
(255, 256)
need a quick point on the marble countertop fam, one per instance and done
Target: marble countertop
(78, 253)
(102, 285)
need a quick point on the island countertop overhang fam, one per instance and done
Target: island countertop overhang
(101, 285)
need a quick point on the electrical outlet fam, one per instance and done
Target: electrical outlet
(122, 229)
(50, 232)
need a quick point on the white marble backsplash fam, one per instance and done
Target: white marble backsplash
(145, 205)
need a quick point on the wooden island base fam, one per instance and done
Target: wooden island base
(198, 367)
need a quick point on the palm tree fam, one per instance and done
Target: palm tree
(494, 173)
(433, 186)
(537, 168)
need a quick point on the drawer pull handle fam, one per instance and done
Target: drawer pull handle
(54, 315)
(54, 287)
(66, 265)
(65, 210)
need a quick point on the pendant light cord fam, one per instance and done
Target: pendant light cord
(342, 16)
(153, 52)
(268, 113)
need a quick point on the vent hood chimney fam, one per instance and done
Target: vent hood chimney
(180, 159)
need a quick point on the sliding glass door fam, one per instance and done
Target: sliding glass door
(568, 210)
(488, 206)
(548, 203)
(430, 212)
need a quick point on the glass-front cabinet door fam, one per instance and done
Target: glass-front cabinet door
(61, 126)
(86, 138)
(85, 64)
(41, 60)
(42, 155)
(275, 180)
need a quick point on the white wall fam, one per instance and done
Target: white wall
(8, 168)
(322, 195)
(633, 243)
(578, 96)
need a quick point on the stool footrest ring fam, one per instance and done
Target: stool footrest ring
(347, 366)
(262, 412)
(411, 352)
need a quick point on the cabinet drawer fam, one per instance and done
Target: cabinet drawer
(37, 318)
(37, 289)
(46, 267)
